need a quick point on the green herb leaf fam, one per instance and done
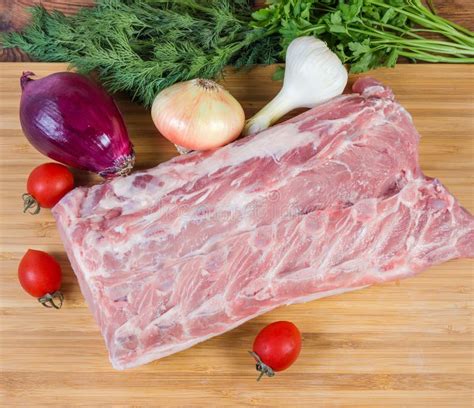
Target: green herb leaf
(388, 15)
(336, 18)
(392, 58)
(360, 48)
(279, 73)
(338, 28)
(262, 14)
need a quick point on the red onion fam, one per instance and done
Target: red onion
(72, 120)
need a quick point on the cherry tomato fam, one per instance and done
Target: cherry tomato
(40, 275)
(46, 185)
(276, 347)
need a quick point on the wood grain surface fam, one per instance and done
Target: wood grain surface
(14, 16)
(402, 344)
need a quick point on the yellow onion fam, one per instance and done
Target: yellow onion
(197, 115)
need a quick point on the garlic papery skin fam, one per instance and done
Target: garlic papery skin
(197, 115)
(313, 75)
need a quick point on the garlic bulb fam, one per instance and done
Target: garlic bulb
(197, 115)
(313, 74)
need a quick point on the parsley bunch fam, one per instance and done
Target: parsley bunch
(370, 33)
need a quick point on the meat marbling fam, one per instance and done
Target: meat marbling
(329, 201)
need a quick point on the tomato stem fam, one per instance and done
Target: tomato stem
(48, 300)
(29, 202)
(262, 367)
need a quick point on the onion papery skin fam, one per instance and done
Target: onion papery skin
(198, 115)
(69, 118)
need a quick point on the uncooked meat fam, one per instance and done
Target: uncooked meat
(330, 201)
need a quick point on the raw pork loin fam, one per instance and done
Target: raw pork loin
(329, 201)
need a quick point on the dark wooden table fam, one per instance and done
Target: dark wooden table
(14, 16)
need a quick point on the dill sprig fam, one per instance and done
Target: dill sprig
(144, 46)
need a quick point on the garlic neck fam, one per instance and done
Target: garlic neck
(270, 113)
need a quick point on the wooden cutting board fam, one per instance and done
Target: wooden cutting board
(406, 343)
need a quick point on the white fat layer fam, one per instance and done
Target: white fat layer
(160, 352)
